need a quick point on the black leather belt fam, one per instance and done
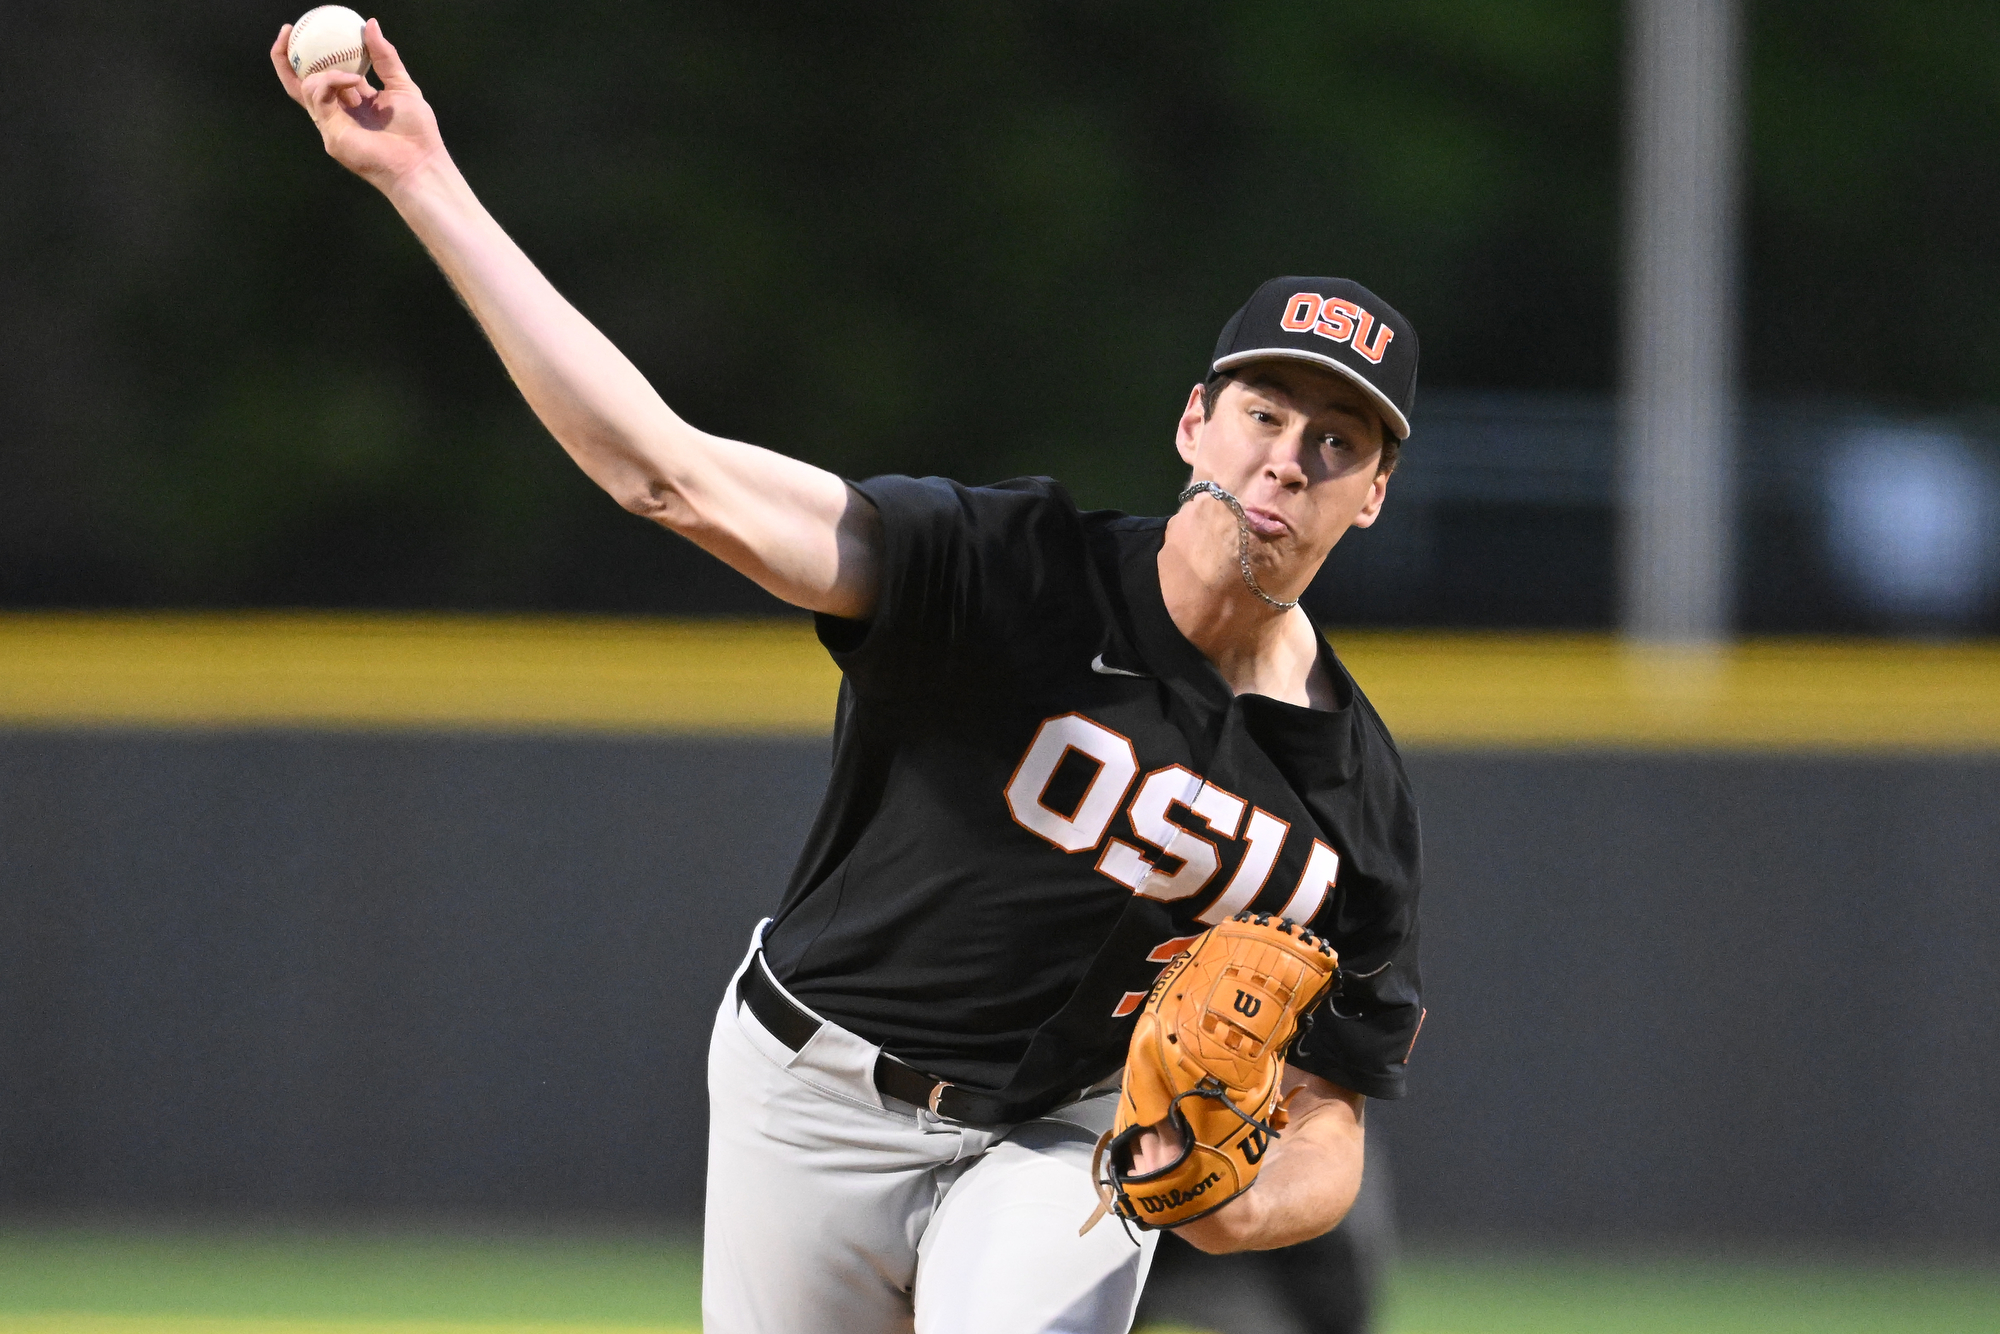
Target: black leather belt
(784, 1020)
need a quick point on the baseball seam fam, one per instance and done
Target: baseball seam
(330, 59)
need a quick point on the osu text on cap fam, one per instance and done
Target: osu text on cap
(1341, 321)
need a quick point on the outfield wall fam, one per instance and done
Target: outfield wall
(1672, 995)
(1668, 995)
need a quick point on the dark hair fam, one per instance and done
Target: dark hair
(1211, 389)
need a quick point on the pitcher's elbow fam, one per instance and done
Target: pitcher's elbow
(657, 499)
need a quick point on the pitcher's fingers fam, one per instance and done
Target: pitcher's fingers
(281, 61)
(1157, 1147)
(330, 88)
(389, 67)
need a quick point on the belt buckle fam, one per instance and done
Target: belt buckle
(937, 1092)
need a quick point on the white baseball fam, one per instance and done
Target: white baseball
(328, 38)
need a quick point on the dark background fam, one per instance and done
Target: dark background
(980, 240)
(1671, 999)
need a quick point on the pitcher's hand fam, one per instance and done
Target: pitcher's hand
(1156, 1148)
(384, 135)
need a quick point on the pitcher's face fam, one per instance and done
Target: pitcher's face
(1300, 447)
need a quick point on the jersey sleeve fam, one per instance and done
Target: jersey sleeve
(1360, 1039)
(963, 570)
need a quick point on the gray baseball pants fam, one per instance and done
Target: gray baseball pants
(831, 1208)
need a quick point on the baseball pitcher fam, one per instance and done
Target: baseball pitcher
(1107, 925)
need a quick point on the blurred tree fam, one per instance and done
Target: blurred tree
(978, 240)
(1874, 263)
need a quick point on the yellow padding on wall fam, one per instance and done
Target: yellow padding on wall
(771, 677)
(334, 671)
(1590, 691)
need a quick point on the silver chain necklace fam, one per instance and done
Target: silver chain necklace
(1242, 538)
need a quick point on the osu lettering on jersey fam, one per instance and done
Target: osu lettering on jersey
(1042, 790)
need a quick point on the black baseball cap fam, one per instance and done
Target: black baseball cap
(1330, 322)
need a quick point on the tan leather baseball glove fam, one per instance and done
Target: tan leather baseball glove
(1206, 1058)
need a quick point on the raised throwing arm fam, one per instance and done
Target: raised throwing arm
(797, 530)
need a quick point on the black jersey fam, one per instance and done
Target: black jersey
(1042, 791)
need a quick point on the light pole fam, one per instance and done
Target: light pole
(1679, 392)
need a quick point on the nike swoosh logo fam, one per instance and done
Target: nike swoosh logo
(1098, 665)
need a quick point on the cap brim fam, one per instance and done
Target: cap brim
(1390, 412)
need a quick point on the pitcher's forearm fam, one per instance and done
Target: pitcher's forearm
(1308, 1184)
(588, 394)
(798, 531)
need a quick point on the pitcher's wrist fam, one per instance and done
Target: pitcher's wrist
(1234, 1227)
(432, 181)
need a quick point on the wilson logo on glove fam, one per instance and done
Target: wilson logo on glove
(1204, 1063)
(1174, 1199)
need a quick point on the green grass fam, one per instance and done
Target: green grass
(352, 1276)
(1552, 1295)
(357, 1279)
